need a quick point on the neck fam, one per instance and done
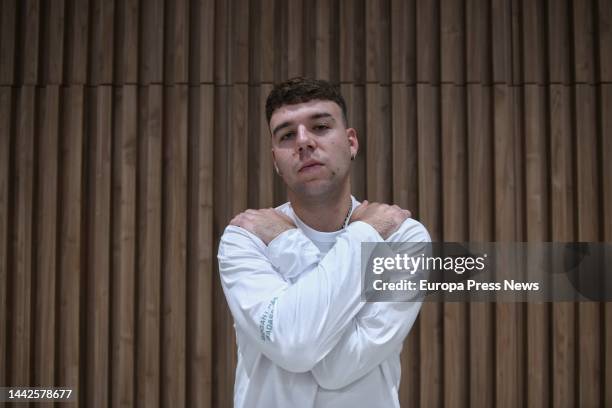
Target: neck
(325, 214)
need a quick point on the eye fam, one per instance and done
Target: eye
(286, 136)
(321, 127)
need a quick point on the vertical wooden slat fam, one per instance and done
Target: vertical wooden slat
(239, 45)
(232, 172)
(123, 250)
(52, 46)
(428, 125)
(379, 141)
(238, 138)
(126, 42)
(27, 61)
(537, 227)
(151, 56)
(174, 225)
(77, 38)
(409, 391)
(220, 166)
(7, 41)
(324, 56)
(606, 168)
(562, 185)
(516, 46)
(403, 42)
(428, 41)
(405, 186)
(100, 48)
(481, 218)
(509, 386)
(267, 50)
(223, 356)
(430, 328)
(295, 41)
(69, 236)
(202, 41)
(604, 14)
(558, 40)
(352, 35)
(44, 276)
(176, 40)
(606, 153)
(221, 42)
(377, 41)
(480, 162)
(21, 266)
(262, 172)
(455, 229)
(478, 41)
(501, 36)
(533, 33)
(564, 361)
(309, 38)
(98, 250)
(589, 331)
(404, 151)
(452, 41)
(583, 44)
(355, 105)
(509, 392)
(262, 50)
(148, 281)
(5, 182)
(562, 230)
(238, 163)
(200, 248)
(347, 40)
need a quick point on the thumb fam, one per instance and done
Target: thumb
(359, 209)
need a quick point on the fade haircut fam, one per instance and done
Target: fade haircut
(300, 90)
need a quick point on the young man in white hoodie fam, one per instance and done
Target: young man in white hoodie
(292, 278)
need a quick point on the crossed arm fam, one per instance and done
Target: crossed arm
(317, 323)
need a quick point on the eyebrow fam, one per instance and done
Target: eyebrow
(313, 116)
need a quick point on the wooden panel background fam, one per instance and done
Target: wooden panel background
(131, 132)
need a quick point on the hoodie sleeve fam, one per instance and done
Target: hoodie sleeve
(376, 332)
(293, 324)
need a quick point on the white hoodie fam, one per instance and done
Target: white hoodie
(305, 338)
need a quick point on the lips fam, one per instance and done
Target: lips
(310, 164)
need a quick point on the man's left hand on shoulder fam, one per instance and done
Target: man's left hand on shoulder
(266, 223)
(384, 218)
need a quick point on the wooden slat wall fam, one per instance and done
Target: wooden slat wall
(131, 132)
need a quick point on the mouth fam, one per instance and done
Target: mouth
(309, 166)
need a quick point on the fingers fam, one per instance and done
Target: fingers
(285, 217)
(359, 210)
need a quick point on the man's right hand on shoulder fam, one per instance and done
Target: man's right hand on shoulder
(384, 218)
(266, 223)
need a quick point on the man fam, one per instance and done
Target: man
(291, 275)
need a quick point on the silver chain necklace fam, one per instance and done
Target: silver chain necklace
(348, 214)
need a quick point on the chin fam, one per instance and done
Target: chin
(314, 188)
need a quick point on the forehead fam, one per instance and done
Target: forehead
(304, 111)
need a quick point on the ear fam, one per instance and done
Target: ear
(351, 135)
(274, 162)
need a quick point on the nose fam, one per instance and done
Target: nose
(304, 139)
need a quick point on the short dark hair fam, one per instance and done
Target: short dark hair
(300, 90)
